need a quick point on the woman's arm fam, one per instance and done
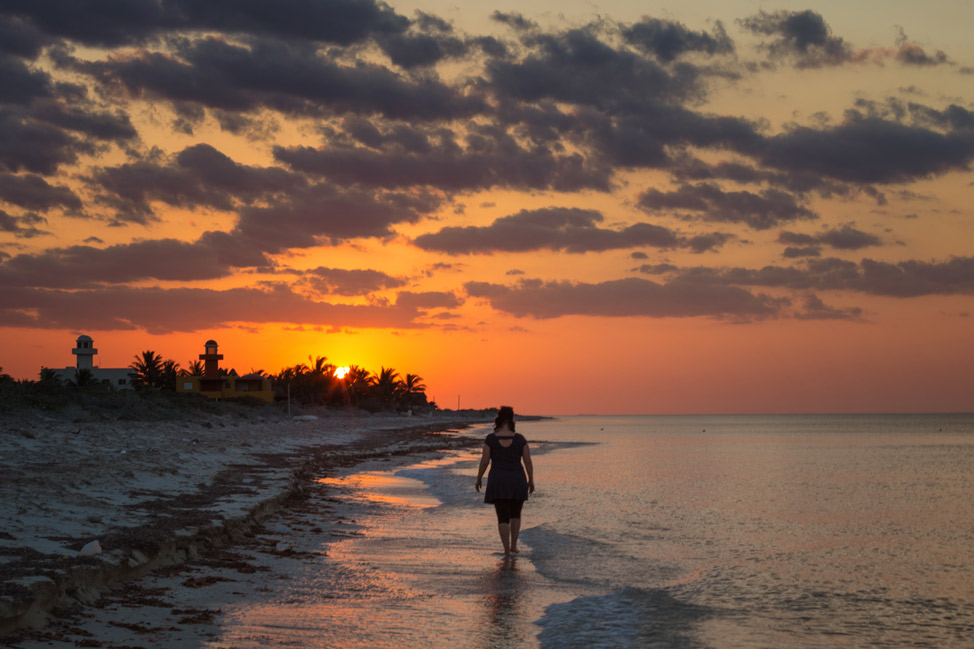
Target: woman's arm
(529, 467)
(484, 461)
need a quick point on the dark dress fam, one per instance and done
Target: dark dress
(506, 479)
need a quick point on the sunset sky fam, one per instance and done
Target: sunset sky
(568, 207)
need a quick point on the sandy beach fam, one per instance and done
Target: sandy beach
(90, 511)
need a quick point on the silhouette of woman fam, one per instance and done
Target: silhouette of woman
(507, 487)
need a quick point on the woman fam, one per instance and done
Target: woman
(507, 487)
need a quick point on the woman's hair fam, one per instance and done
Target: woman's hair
(505, 416)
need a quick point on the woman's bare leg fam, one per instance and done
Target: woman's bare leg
(515, 529)
(504, 529)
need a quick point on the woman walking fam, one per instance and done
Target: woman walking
(507, 487)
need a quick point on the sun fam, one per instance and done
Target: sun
(340, 372)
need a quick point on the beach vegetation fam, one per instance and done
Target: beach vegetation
(315, 384)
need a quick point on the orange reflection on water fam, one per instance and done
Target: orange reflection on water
(385, 488)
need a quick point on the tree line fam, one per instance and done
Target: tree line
(315, 383)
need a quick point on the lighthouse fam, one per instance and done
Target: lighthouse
(211, 360)
(85, 351)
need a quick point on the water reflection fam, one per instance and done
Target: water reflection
(505, 623)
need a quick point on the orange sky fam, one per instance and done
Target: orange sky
(619, 209)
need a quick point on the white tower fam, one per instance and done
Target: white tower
(85, 351)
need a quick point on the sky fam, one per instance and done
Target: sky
(567, 207)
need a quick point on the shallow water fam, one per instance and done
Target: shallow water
(723, 532)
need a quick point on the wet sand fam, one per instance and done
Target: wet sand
(175, 517)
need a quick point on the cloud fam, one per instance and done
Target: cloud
(668, 40)
(31, 191)
(565, 229)
(199, 175)
(870, 151)
(815, 309)
(342, 281)
(135, 21)
(800, 36)
(22, 227)
(292, 78)
(494, 159)
(904, 279)
(163, 259)
(428, 300)
(709, 202)
(623, 298)
(845, 237)
(162, 310)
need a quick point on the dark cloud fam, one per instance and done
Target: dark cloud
(306, 217)
(622, 298)
(33, 192)
(846, 237)
(341, 281)
(19, 38)
(161, 259)
(870, 151)
(801, 36)
(555, 228)
(577, 67)
(323, 212)
(913, 54)
(29, 145)
(668, 40)
(798, 252)
(514, 20)
(21, 85)
(902, 279)
(953, 117)
(94, 22)
(161, 310)
(813, 308)
(707, 242)
(910, 53)
(428, 300)
(288, 77)
(197, 176)
(708, 202)
(22, 227)
(493, 160)
(430, 41)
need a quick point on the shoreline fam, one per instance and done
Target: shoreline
(208, 489)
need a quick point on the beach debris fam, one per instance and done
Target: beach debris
(279, 529)
(90, 549)
(137, 559)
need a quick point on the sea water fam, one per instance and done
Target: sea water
(723, 532)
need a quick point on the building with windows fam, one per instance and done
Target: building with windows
(215, 385)
(84, 352)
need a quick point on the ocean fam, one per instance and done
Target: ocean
(723, 532)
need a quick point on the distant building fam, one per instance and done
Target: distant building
(215, 386)
(85, 360)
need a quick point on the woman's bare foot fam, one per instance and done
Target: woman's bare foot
(514, 550)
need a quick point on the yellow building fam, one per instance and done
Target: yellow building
(214, 386)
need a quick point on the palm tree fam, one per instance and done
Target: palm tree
(49, 376)
(146, 370)
(385, 386)
(193, 368)
(169, 375)
(82, 377)
(412, 391)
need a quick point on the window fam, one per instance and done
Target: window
(122, 381)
